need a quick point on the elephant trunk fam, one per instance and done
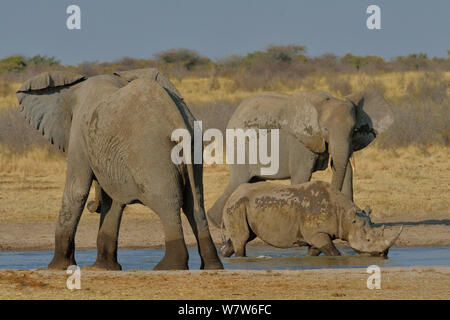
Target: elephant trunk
(340, 150)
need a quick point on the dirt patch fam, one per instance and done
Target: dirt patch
(396, 283)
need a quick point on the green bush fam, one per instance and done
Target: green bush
(13, 64)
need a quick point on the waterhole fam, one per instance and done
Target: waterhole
(258, 258)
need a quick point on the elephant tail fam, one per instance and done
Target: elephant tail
(195, 177)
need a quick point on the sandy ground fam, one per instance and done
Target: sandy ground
(396, 283)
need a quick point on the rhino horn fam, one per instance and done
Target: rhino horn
(391, 243)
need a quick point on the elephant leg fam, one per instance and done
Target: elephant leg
(176, 255)
(323, 242)
(301, 163)
(347, 186)
(199, 225)
(313, 251)
(108, 234)
(239, 174)
(76, 191)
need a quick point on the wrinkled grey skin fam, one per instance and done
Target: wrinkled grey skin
(313, 126)
(312, 214)
(119, 128)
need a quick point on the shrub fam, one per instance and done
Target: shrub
(12, 64)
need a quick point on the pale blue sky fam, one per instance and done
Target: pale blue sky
(112, 29)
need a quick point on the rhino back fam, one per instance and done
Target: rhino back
(285, 215)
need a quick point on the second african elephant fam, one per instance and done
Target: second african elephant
(312, 127)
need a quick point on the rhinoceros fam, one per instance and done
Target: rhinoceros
(311, 214)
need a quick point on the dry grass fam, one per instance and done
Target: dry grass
(408, 182)
(393, 84)
(7, 94)
(205, 90)
(396, 283)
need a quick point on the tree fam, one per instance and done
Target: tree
(413, 61)
(15, 63)
(188, 58)
(39, 60)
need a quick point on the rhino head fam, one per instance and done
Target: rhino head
(363, 237)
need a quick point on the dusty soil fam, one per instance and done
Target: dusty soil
(396, 283)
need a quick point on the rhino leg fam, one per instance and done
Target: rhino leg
(313, 251)
(324, 243)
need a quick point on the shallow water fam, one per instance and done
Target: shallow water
(259, 258)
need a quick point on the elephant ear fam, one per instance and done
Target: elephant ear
(46, 102)
(304, 124)
(151, 73)
(372, 110)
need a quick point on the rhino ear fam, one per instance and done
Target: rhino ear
(304, 125)
(372, 109)
(46, 102)
(151, 73)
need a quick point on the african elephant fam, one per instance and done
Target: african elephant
(117, 130)
(312, 126)
(311, 214)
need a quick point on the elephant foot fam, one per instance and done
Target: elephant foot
(165, 264)
(216, 265)
(94, 207)
(107, 264)
(176, 257)
(59, 263)
(208, 252)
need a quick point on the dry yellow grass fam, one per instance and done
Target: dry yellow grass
(201, 91)
(395, 84)
(410, 183)
(8, 98)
